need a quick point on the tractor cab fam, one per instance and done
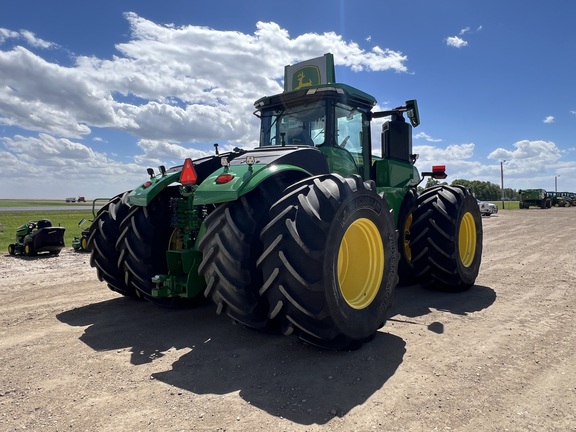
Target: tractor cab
(332, 118)
(335, 118)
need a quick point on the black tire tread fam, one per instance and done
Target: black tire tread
(434, 241)
(103, 234)
(230, 247)
(142, 244)
(293, 260)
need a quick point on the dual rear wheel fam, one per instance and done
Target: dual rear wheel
(446, 238)
(330, 261)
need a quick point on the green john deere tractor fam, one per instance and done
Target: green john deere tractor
(309, 233)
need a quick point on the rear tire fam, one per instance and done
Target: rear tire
(405, 219)
(29, 249)
(143, 242)
(230, 249)
(84, 243)
(447, 238)
(103, 235)
(330, 261)
(12, 249)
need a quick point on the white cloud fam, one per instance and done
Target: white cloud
(29, 37)
(456, 157)
(35, 41)
(159, 152)
(156, 89)
(529, 151)
(50, 167)
(453, 152)
(549, 119)
(6, 34)
(423, 135)
(456, 42)
(532, 163)
(528, 164)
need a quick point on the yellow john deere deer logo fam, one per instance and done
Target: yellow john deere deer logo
(305, 77)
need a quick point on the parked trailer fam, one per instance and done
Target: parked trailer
(534, 198)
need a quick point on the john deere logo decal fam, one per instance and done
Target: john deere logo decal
(312, 72)
(305, 77)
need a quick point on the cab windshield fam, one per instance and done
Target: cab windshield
(312, 125)
(301, 125)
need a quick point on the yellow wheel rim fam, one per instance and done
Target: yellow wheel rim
(360, 263)
(467, 239)
(406, 238)
(84, 243)
(27, 249)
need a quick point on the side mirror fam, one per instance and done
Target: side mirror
(412, 112)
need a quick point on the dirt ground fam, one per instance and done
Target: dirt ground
(75, 356)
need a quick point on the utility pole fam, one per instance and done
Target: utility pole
(502, 181)
(556, 183)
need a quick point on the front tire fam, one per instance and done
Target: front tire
(330, 261)
(447, 238)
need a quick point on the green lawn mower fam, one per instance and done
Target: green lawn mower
(36, 237)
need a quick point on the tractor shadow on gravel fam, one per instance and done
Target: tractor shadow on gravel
(415, 301)
(276, 374)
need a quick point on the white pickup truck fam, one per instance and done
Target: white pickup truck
(487, 209)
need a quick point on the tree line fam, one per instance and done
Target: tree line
(482, 190)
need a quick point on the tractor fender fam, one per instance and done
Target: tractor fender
(146, 192)
(268, 161)
(242, 178)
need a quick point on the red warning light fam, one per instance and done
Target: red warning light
(188, 175)
(224, 178)
(439, 172)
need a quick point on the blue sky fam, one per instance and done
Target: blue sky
(92, 93)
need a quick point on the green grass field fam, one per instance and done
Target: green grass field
(69, 219)
(508, 205)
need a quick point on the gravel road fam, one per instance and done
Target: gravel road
(75, 356)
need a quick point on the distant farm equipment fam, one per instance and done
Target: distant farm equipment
(534, 198)
(80, 243)
(566, 199)
(36, 237)
(74, 199)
